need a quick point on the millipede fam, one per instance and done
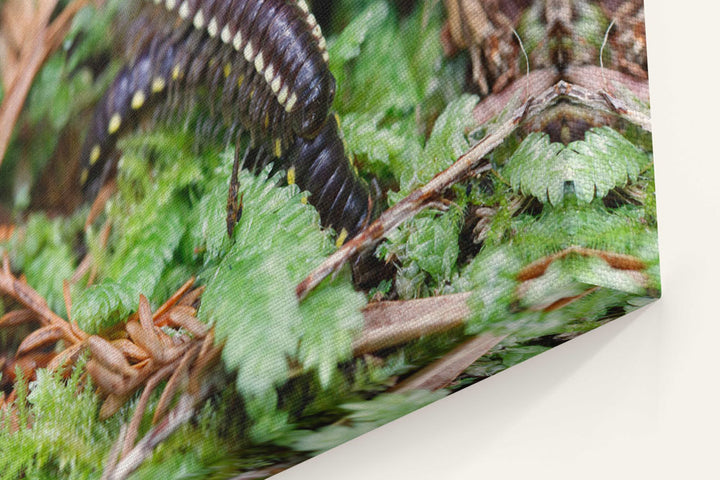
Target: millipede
(264, 68)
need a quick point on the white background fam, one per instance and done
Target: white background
(638, 398)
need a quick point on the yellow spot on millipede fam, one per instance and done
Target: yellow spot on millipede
(303, 200)
(94, 154)
(278, 147)
(241, 79)
(158, 85)
(291, 176)
(114, 125)
(138, 100)
(226, 70)
(84, 176)
(176, 72)
(267, 119)
(341, 238)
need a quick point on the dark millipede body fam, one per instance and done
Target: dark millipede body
(262, 65)
(319, 166)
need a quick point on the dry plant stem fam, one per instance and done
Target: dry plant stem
(175, 298)
(618, 261)
(129, 462)
(134, 426)
(17, 317)
(45, 42)
(442, 372)
(391, 323)
(98, 204)
(179, 375)
(26, 295)
(471, 162)
(114, 454)
(584, 86)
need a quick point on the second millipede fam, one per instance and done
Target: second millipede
(263, 66)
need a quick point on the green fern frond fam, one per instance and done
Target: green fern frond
(250, 297)
(64, 438)
(363, 417)
(589, 167)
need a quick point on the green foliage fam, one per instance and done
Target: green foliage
(194, 449)
(103, 305)
(384, 150)
(59, 435)
(148, 236)
(492, 277)
(447, 142)
(621, 230)
(427, 248)
(363, 417)
(392, 85)
(44, 253)
(250, 298)
(404, 120)
(492, 272)
(346, 46)
(593, 166)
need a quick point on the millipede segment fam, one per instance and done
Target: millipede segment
(261, 65)
(281, 39)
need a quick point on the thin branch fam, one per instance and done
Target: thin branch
(471, 162)
(180, 415)
(31, 299)
(442, 372)
(134, 426)
(392, 323)
(46, 42)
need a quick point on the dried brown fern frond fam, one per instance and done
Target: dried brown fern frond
(170, 343)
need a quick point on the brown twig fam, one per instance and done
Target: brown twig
(46, 41)
(442, 372)
(134, 426)
(32, 300)
(471, 162)
(395, 322)
(130, 461)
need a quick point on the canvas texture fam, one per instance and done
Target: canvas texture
(236, 234)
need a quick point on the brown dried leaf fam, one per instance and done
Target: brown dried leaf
(192, 297)
(28, 364)
(42, 337)
(442, 372)
(144, 339)
(179, 376)
(6, 232)
(17, 317)
(395, 322)
(145, 314)
(67, 297)
(175, 298)
(107, 380)
(111, 405)
(38, 40)
(130, 350)
(66, 357)
(110, 356)
(184, 316)
(165, 339)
